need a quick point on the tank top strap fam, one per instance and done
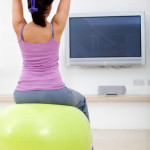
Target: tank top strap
(52, 30)
(22, 31)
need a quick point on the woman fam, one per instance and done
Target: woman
(39, 41)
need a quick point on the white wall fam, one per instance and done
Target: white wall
(85, 79)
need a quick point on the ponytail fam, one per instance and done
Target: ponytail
(40, 15)
(39, 18)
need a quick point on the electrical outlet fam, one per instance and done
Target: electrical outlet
(148, 82)
(138, 82)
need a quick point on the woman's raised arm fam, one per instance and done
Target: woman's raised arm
(17, 15)
(60, 18)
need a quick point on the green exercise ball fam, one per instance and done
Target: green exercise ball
(44, 127)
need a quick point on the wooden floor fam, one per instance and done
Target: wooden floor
(121, 139)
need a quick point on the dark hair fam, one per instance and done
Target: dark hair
(39, 16)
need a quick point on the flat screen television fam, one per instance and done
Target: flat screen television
(105, 39)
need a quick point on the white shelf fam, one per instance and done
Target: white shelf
(118, 98)
(95, 98)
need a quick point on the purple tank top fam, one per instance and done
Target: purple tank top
(40, 65)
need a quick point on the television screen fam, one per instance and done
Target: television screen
(105, 37)
(114, 36)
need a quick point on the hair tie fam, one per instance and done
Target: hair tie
(33, 9)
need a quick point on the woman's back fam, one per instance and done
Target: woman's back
(39, 44)
(33, 33)
(40, 62)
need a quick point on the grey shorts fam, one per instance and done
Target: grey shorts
(63, 96)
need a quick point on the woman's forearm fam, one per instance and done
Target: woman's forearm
(17, 7)
(64, 5)
(17, 13)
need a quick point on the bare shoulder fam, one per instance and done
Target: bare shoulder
(17, 29)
